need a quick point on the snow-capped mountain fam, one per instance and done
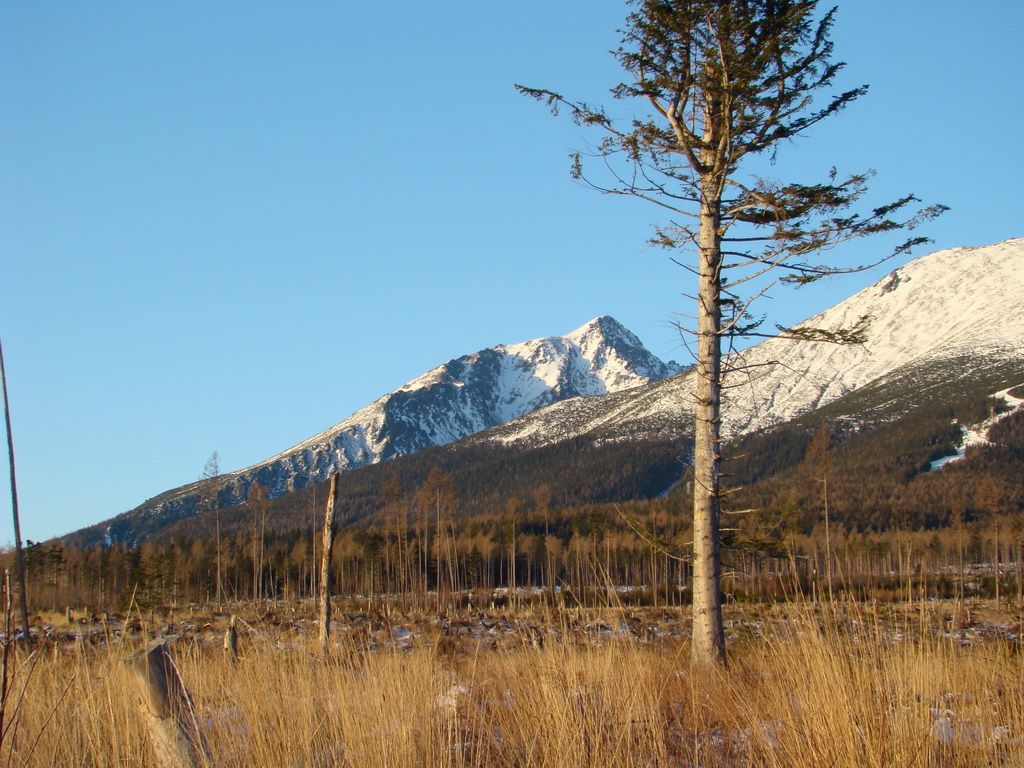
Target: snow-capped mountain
(953, 316)
(469, 394)
(941, 315)
(450, 402)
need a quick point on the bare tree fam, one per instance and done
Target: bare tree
(819, 466)
(989, 496)
(325, 567)
(14, 503)
(716, 84)
(211, 471)
(258, 503)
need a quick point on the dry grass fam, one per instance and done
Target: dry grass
(820, 691)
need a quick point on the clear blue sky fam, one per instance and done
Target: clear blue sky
(228, 225)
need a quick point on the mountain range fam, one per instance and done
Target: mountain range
(934, 327)
(452, 401)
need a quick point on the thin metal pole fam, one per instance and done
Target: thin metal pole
(14, 502)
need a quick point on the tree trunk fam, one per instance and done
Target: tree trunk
(1020, 573)
(708, 631)
(14, 505)
(828, 542)
(999, 563)
(325, 566)
(960, 554)
(220, 588)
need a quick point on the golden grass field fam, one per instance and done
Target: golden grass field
(806, 686)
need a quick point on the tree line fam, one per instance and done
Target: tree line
(420, 551)
(816, 500)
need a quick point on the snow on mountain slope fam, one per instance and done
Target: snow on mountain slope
(977, 434)
(468, 394)
(953, 305)
(949, 304)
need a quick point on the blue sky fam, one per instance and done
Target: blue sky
(227, 226)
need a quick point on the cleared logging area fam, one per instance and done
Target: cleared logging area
(840, 685)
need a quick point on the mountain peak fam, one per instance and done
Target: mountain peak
(603, 324)
(607, 330)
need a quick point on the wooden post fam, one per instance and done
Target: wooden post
(325, 566)
(173, 723)
(231, 640)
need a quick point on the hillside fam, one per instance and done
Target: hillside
(949, 315)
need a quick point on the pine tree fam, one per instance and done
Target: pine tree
(722, 82)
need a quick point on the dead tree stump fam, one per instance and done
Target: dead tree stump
(325, 568)
(231, 640)
(173, 723)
